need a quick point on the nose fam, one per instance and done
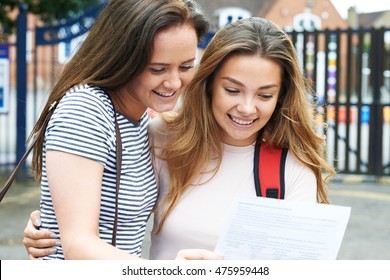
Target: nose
(173, 81)
(246, 106)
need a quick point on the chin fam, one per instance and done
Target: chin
(162, 109)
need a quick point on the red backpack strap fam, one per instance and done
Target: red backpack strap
(269, 165)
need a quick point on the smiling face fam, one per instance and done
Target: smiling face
(245, 93)
(166, 76)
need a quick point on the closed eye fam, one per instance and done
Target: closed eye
(232, 90)
(157, 70)
(265, 96)
(185, 68)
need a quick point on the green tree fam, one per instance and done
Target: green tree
(50, 11)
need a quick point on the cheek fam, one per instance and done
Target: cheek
(214, 109)
(145, 82)
(187, 78)
(217, 104)
(269, 110)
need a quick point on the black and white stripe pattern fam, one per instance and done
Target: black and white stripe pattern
(83, 124)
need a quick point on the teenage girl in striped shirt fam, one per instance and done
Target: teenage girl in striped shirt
(139, 54)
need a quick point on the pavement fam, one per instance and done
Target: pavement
(367, 236)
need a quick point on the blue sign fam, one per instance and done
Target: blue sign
(2, 103)
(205, 40)
(4, 51)
(51, 35)
(4, 78)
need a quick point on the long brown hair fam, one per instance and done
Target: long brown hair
(195, 135)
(118, 48)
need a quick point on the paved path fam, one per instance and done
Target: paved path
(367, 235)
(368, 232)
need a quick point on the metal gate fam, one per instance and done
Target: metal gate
(350, 74)
(35, 57)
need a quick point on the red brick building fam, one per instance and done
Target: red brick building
(281, 12)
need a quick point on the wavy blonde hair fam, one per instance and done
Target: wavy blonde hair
(195, 135)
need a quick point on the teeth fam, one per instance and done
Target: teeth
(242, 122)
(165, 94)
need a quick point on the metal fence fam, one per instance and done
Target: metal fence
(349, 71)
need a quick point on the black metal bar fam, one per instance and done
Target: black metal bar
(326, 101)
(380, 35)
(348, 98)
(315, 50)
(35, 85)
(358, 83)
(21, 74)
(337, 97)
(304, 53)
(376, 108)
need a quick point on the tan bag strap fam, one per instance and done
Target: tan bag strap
(40, 134)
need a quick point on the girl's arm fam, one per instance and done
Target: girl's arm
(75, 186)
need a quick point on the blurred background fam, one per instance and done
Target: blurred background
(344, 51)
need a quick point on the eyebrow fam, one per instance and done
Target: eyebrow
(167, 64)
(242, 85)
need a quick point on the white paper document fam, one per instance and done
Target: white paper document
(265, 228)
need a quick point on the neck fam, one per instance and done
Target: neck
(127, 106)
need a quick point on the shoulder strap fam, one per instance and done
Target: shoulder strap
(269, 165)
(118, 175)
(39, 134)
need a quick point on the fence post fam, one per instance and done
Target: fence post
(376, 124)
(21, 85)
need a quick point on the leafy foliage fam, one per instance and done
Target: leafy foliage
(47, 10)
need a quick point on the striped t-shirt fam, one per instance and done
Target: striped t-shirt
(83, 124)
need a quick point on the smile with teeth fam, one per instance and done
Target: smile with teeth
(241, 122)
(165, 94)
